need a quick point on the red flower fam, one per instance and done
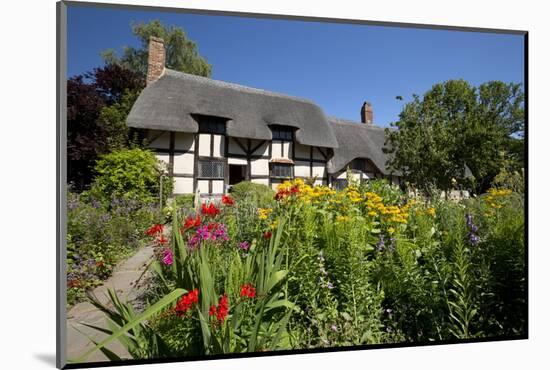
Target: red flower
(162, 240)
(212, 310)
(154, 230)
(211, 210)
(192, 222)
(267, 235)
(227, 200)
(222, 310)
(294, 189)
(186, 301)
(248, 290)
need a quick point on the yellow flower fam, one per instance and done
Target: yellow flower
(372, 213)
(391, 230)
(342, 218)
(431, 211)
(263, 213)
(273, 225)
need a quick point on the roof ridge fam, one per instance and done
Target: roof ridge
(239, 87)
(343, 121)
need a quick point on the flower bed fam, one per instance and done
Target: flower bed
(323, 268)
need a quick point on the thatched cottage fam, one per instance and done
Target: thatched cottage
(214, 134)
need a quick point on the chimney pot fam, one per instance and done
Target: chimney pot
(367, 114)
(156, 60)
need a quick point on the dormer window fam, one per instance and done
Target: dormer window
(282, 133)
(211, 124)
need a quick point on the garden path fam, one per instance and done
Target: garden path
(124, 278)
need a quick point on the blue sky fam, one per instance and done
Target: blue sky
(338, 66)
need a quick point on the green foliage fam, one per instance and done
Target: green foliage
(364, 265)
(130, 173)
(262, 195)
(455, 125)
(99, 235)
(113, 118)
(181, 52)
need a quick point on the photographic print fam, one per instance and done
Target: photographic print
(243, 184)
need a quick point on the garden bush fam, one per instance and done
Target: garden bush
(262, 195)
(130, 173)
(314, 267)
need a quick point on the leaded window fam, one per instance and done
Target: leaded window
(281, 170)
(211, 169)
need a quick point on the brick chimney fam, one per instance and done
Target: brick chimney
(156, 60)
(367, 114)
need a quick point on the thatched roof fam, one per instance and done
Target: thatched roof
(358, 140)
(170, 102)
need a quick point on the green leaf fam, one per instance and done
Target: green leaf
(154, 309)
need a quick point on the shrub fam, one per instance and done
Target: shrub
(261, 194)
(132, 174)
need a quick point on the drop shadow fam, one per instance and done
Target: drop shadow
(47, 358)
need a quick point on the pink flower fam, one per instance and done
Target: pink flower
(167, 257)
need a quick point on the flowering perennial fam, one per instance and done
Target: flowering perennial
(155, 230)
(214, 231)
(221, 311)
(167, 257)
(191, 222)
(227, 200)
(186, 302)
(210, 210)
(248, 290)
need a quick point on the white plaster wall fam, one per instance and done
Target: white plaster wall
(287, 150)
(202, 185)
(301, 169)
(162, 141)
(183, 185)
(217, 186)
(235, 148)
(261, 181)
(262, 150)
(259, 167)
(318, 170)
(204, 145)
(184, 163)
(276, 149)
(184, 141)
(231, 160)
(164, 157)
(219, 144)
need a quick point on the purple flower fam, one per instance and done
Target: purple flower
(203, 232)
(472, 235)
(334, 328)
(194, 241)
(167, 257)
(380, 244)
(244, 245)
(329, 285)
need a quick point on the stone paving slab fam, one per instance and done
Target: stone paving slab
(123, 280)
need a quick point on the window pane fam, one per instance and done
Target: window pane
(281, 170)
(210, 169)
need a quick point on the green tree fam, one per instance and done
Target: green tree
(456, 126)
(181, 52)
